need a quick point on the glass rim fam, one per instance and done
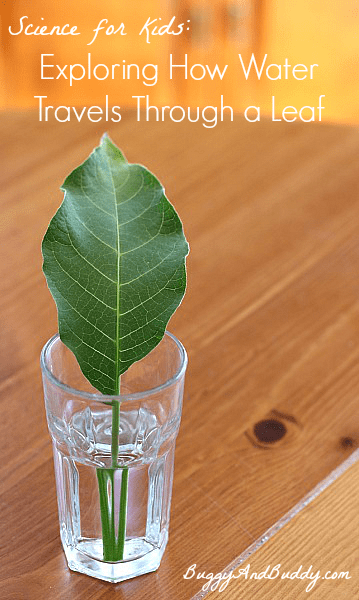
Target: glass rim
(106, 398)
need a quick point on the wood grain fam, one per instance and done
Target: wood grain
(322, 538)
(270, 322)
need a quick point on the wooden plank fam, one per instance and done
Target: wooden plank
(270, 321)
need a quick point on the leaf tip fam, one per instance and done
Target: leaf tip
(104, 137)
(107, 144)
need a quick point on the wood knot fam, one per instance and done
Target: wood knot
(269, 431)
(347, 442)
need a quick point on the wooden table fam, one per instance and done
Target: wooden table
(301, 553)
(270, 322)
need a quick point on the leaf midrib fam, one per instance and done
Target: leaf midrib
(118, 245)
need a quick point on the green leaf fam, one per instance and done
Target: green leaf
(114, 260)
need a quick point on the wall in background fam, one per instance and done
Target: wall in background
(307, 31)
(315, 31)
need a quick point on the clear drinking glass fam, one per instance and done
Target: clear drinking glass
(80, 424)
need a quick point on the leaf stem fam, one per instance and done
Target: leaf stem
(123, 513)
(114, 432)
(102, 478)
(113, 546)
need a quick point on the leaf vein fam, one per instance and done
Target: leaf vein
(147, 299)
(94, 349)
(144, 243)
(117, 377)
(133, 195)
(94, 203)
(149, 270)
(94, 235)
(85, 259)
(141, 343)
(81, 286)
(84, 318)
(139, 214)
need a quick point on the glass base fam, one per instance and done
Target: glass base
(141, 558)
